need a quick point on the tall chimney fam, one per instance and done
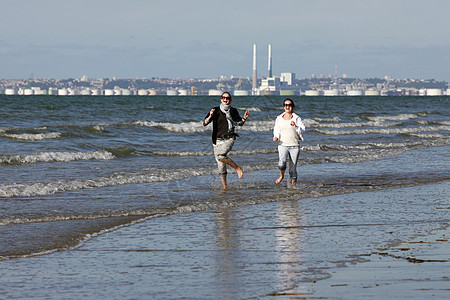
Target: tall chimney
(254, 70)
(269, 74)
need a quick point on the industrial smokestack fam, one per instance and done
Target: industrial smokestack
(254, 70)
(269, 74)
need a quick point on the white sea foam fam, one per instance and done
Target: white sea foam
(206, 153)
(257, 126)
(384, 131)
(58, 218)
(260, 126)
(335, 119)
(400, 117)
(49, 188)
(339, 153)
(33, 136)
(427, 135)
(180, 153)
(55, 157)
(250, 109)
(174, 127)
(98, 128)
(433, 122)
(357, 124)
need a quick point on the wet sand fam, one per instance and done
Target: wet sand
(388, 244)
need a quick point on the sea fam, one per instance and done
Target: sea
(73, 168)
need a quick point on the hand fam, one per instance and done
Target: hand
(208, 119)
(293, 124)
(275, 139)
(246, 114)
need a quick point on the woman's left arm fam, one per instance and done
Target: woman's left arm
(237, 118)
(299, 127)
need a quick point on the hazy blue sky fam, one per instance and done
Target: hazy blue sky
(209, 38)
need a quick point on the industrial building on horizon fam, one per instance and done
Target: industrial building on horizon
(285, 85)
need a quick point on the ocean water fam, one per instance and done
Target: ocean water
(73, 168)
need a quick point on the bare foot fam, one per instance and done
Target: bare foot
(279, 180)
(293, 183)
(240, 172)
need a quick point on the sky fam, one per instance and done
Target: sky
(209, 38)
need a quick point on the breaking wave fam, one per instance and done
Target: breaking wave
(384, 131)
(33, 136)
(55, 157)
(49, 188)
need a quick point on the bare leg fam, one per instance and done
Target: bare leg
(232, 164)
(281, 177)
(293, 182)
(224, 183)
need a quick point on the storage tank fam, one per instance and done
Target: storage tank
(109, 92)
(142, 92)
(331, 93)
(85, 92)
(448, 92)
(171, 93)
(152, 92)
(95, 92)
(355, 93)
(28, 92)
(267, 93)
(10, 92)
(62, 92)
(38, 91)
(214, 93)
(287, 93)
(126, 92)
(183, 92)
(241, 93)
(312, 93)
(371, 93)
(434, 92)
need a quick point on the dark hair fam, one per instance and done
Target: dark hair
(293, 105)
(226, 93)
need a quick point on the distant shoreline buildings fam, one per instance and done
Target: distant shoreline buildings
(286, 84)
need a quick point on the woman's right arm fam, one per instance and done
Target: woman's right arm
(208, 117)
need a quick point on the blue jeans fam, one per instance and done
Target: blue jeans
(291, 153)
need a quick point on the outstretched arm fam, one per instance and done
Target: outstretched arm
(246, 114)
(208, 117)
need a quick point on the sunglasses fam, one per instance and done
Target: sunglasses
(287, 104)
(224, 97)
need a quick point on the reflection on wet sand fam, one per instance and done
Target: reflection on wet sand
(227, 243)
(289, 244)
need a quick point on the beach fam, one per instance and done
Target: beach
(387, 243)
(255, 252)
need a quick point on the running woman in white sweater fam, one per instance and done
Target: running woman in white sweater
(288, 131)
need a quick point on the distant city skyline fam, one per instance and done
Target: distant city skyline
(206, 39)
